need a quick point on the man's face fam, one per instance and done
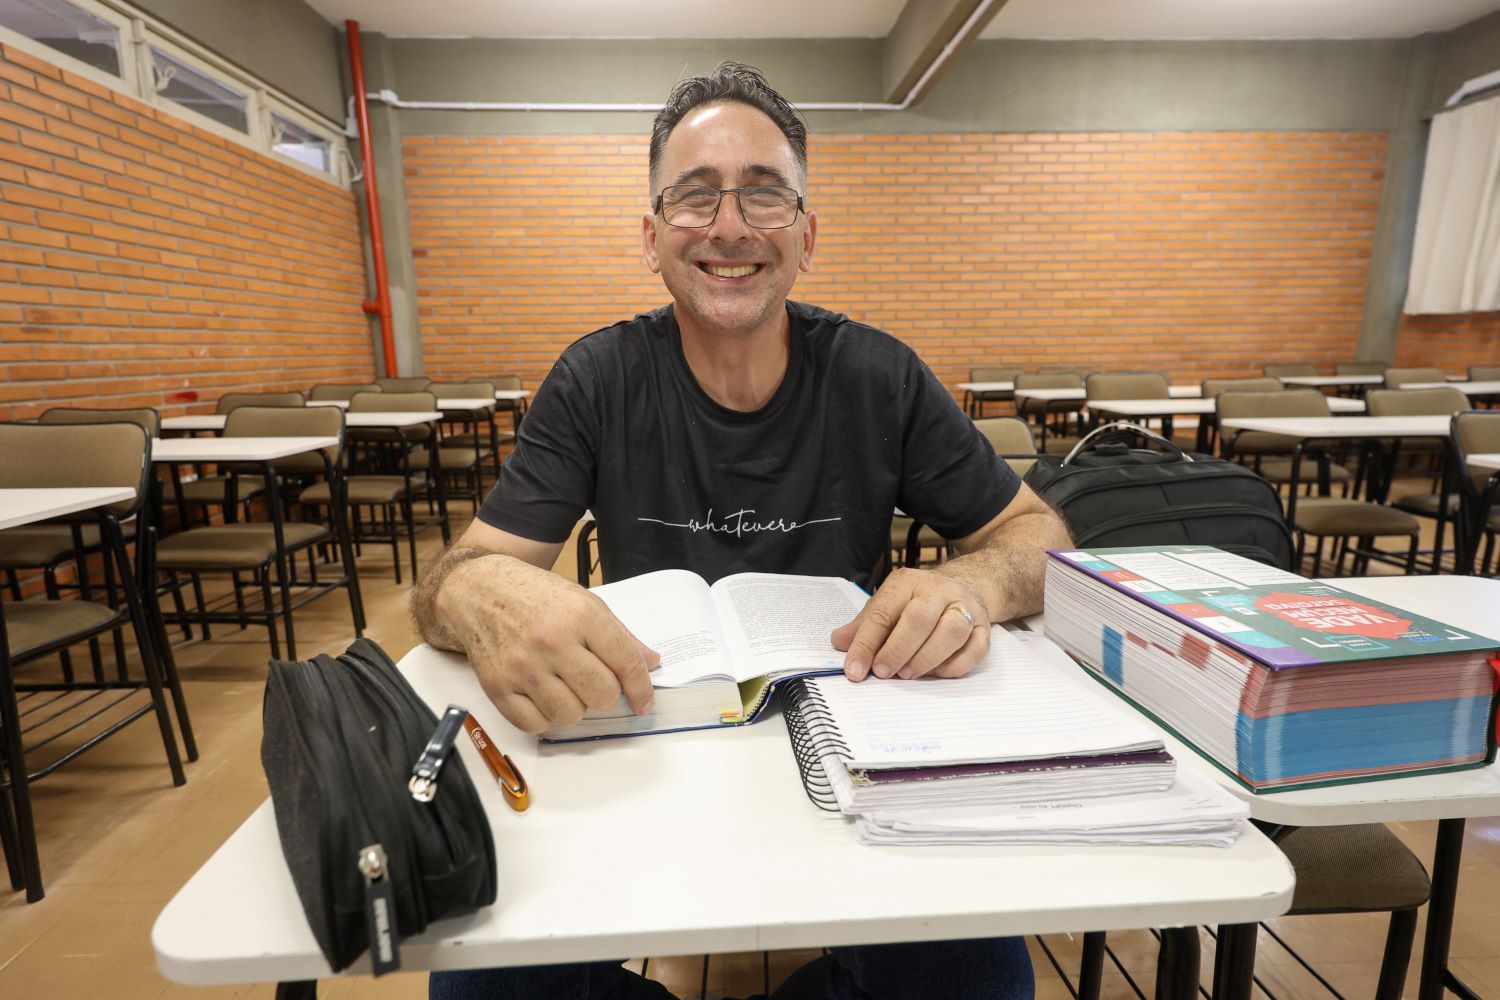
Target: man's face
(728, 145)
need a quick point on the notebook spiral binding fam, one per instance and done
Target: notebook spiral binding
(813, 735)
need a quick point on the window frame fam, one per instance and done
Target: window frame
(140, 32)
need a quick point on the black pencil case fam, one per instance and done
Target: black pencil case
(371, 862)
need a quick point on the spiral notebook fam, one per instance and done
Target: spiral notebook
(1009, 730)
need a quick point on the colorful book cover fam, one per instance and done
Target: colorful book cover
(1274, 617)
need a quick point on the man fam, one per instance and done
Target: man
(735, 430)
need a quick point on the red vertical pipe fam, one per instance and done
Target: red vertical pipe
(381, 304)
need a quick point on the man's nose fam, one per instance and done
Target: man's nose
(729, 223)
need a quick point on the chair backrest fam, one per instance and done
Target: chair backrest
(413, 384)
(1127, 385)
(1484, 373)
(393, 402)
(1415, 402)
(1082, 371)
(231, 401)
(52, 456)
(1361, 367)
(1395, 378)
(1280, 403)
(1214, 387)
(462, 390)
(144, 416)
(281, 421)
(1476, 432)
(1280, 369)
(329, 390)
(1049, 380)
(507, 382)
(1011, 439)
(992, 373)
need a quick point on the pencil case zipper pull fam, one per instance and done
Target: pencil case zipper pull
(380, 910)
(424, 773)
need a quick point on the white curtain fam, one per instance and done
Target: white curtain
(1455, 264)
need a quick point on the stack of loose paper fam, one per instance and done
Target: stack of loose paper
(1016, 751)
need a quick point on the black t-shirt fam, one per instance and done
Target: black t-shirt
(806, 484)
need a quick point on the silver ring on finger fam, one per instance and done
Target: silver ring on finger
(962, 612)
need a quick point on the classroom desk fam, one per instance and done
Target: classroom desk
(1489, 461)
(1005, 385)
(342, 404)
(723, 853)
(1487, 388)
(1072, 395)
(513, 395)
(26, 506)
(1466, 602)
(1168, 408)
(465, 405)
(1331, 381)
(215, 421)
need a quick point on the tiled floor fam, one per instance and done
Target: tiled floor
(117, 840)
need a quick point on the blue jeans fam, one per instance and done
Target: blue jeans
(985, 969)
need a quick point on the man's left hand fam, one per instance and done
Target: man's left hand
(919, 622)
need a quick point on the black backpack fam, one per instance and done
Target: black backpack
(1111, 494)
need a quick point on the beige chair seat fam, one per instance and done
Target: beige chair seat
(448, 458)
(1332, 516)
(30, 624)
(362, 490)
(233, 546)
(210, 489)
(1353, 869)
(1059, 444)
(41, 545)
(1279, 470)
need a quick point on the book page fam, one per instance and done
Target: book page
(673, 612)
(777, 623)
(1010, 707)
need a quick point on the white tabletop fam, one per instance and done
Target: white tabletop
(194, 422)
(382, 418)
(700, 842)
(342, 404)
(512, 394)
(1181, 407)
(1341, 427)
(24, 506)
(1064, 395)
(1464, 601)
(1485, 460)
(1331, 380)
(465, 404)
(1003, 386)
(234, 449)
(1468, 388)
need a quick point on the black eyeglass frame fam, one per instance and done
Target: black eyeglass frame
(662, 198)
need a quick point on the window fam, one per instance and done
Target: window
(302, 144)
(68, 29)
(197, 91)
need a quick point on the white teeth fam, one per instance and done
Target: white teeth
(730, 272)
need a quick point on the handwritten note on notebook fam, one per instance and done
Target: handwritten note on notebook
(1010, 707)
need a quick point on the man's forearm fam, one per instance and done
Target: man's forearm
(431, 625)
(1007, 571)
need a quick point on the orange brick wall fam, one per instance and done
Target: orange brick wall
(141, 257)
(1451, 343)
(1199, 253)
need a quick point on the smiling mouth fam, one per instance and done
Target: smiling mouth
(728, 270)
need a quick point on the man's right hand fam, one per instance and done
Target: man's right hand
(545, 649)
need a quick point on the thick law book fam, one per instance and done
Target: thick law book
(723, 647)
(1280, 681)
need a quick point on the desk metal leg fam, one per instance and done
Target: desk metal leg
(1234, 962)
(1177, 964)
(1435, 974)
(1091, 969)
(306, 990)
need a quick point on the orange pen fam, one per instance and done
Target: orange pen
(501, 766)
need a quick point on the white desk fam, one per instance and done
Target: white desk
(235, 449)
(1326, 381)
(395, 418)
(1184, 407)
(699, 842)
(1002, 386)
(1489, 461)
(466, 404)
(370, 418)
(194, 422)
(342, 404)
(512, 394)
(1342, 427)
(25, 506)
(1488, 388)
(1069, 395)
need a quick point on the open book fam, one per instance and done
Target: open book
(723, 647)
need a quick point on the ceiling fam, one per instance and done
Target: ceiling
(1101, 19)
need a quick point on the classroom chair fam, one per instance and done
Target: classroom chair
(340, 391)
(1395, 378)
(1361, 367)
(416, 383)
(1442, 502)
(1287, 369)
(974, 401)
(1477, 432)
(1053, 412)
(229, 490)
(480, 429)
(1212, 388)
(1268, 454)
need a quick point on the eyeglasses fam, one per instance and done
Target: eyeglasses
(695, 206)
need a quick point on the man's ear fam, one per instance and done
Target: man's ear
(648, 243)
(809, 239)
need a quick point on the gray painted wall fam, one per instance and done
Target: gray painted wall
(998, 85)
(1465, 52)
(284, 42)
